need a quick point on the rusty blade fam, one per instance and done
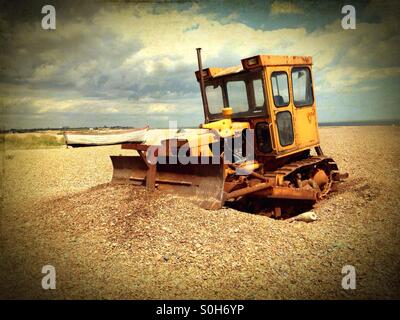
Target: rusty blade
(125, 166)
(201, 183)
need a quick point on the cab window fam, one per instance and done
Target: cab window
(258, 93)
(214, 98)
(302, 87)
(285, 128)
(237, 96)
(280, 88)
(243, 92)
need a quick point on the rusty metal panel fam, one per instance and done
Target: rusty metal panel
(287, 193)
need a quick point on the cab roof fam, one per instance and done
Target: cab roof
(256, 62)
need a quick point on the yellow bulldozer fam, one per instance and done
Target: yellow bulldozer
(254, 148)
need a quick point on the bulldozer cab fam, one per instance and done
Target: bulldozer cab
(274, 94)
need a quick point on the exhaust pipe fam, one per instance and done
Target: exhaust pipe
(202, 86)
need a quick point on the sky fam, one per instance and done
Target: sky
(111, 63)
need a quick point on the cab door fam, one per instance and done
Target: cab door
(305, 113)
(278, 80)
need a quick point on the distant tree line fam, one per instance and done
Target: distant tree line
(66, 128)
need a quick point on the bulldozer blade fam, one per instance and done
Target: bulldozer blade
(201, 183)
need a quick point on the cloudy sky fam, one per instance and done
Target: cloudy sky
(131, 64)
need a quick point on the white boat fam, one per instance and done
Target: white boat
(103, 139)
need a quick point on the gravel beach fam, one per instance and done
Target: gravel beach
(115, 241)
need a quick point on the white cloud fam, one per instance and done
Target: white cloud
(348, 77)
(161, 108)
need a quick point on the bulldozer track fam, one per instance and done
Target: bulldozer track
(289, 169)
(292, 167)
